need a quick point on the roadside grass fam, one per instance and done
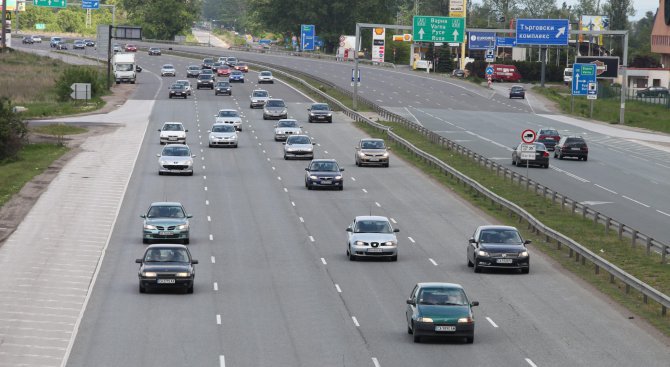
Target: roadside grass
(638, 114)
(33, 160)
(58, 129)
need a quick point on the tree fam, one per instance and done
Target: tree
(538, 8)
(13, 131)
(162, 19)
(618, 11)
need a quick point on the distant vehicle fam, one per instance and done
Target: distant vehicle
(130, 48)
(193, 71)
(222, 59)
(223, 135)
(168, 70)
(165, 266)
(205, 81)
(166, 221)
(154, 51)
(567, 76)
(370, 151)
(298, 146)
(653, 92)
(275, 109)
(61, 45)
(79, 45)
(223, 87)
(175, 158)
(372, 236)
(37, 39)
(172, 132)
(223, 70)
(207, 63)
(458, 73)
(178, 90)
(89, 43)
(242, 67)
(324, 173)
(265, 77)
(55, 41)
(286, 127)
(572, 146)
(501, 247)
(116, 48)
(236, 76)
(231, 61)
(258, 98)
(187, 86)
(548, 137)
(517, 91)
(505, 73)
(27, 40)
(319, 112)
(229, 116)
(541, 156)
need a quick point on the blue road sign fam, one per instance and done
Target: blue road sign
(583, 75)
(481, 40)
(307, 34)
(542, 32)
(90, 4)
(318, 42)
(506, 41)
(489, 70)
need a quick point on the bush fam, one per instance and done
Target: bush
(530, 70)
(13, 131)
(80, 74)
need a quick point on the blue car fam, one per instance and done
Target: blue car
(236, 76)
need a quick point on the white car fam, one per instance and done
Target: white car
(187, 86)
(223, 135)
(258, 98)
(372, 236)
(172, 132)
(285, 128)
(36, 39)
(175, 158)
(265, 77)
(298, 146)
(168, 70)
(228, 116)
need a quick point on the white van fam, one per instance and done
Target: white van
(567, 76)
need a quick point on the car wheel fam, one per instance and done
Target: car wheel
(264, 117)
(470, 339)
(560, 156)
(190, 173)
(394, 258)
(285, 157)
(357, 163)
(555, 154)
(352, 257)
(417, 339)
(186, 241)
(170, 97)
(341, 188)
(546, 165)
(160, 173)
(189, 290)
(525, 270)
(514, 161)
(142, 289)
(386, 164)
(478, 269)
(308, 186)
(470, 264)
(586, 158)
(409, 330)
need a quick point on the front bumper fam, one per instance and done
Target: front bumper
(176, 169)
(158, 235)
(174, 140)
(299, 154)
(275, 115)
(221, 142)
(166, 281)
(319, 182)
(320, 118)
(428, 329)
(369, 251)
(373, 160)
(503, 262)
(223, 91)
(168, 73)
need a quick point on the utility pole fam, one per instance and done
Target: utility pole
(4, 20)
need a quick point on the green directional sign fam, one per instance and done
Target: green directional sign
(51, 3)
(438, 29)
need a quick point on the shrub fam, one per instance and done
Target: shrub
(13, 131)
(80, 74)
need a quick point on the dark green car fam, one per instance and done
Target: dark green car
(440, 310)
(166, 221)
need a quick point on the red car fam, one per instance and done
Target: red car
(548, 137)
(131, 48)
(223, 70)
(242, 67)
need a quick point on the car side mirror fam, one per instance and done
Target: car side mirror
(341, 169)
(139, 261)
(160, 129)
(189, 215)
(306, 168)
(411, 302)
(193, 155)
(194, 262)
(309, 109)
(472, 240)
(526, 242)
(474, 303)
(396, 230)
(283, 143)
(313, 143)
(209, 131)
(143, 215)
(186, 130)
(158, 155)
(357, 148)
(349, 229)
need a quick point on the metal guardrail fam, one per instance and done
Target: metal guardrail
(310, 55)
(580, 252)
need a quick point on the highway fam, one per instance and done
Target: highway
(274, 287)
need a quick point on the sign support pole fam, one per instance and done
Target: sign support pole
(591, 113)
(356, 46)
(624, 79)
(543, 57)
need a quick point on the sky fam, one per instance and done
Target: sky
(641, 6)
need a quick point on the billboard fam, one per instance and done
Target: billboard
(593, 23)
(606, 66)
(481, 40)
(11, 5)
(457, 8)
(378, 40)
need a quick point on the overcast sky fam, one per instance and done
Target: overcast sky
(641, 6)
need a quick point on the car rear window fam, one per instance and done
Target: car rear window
(548, 132)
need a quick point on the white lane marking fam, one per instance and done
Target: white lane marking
(606, 189)
(273, 168)
(301, 220)
(311, 238)
(365, 191)
(278, 178)
(375, 362)
(211, 237)
(285, 189)
(204, 177)
(324, 261)
(570, 174)
(203, 168)
(355, 321)
(339, 290)
(205, 188)
(222, 361)
(218, 319)
(378, 205)
(664, 213)
(202, 158)
(662, 165)
(209, 219)
(393, 220)
(635, 201)
(216, 286)
(411, 239)
(433, 261)
(531, 362)
(325, 152)
(292, 203)
(206, 202)
(491, 321)
(353, 179)
(213, 260)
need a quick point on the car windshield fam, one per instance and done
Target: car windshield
(266, 73)
(176, 152)
(222, 84)
(177, 86)
(165, 211)
(442, 296)
(173, 127)
(204, 76)
(237, 72)
(548, 132)
(517, 89)
(260, 94)
(168, 66)
(183, 82)
(372, 144)
(275, 103)
(320, 107)
(499, 236)
(287, 123)
(194, 67)
(223, 128)
(228, 114)
(372, 226)
(324, 166)
(124, 67)
(208, 61)
(164, 255)
(296, 139)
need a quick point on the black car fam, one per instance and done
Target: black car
(205, 81)
(572, 146)
(320, 112)
(541, 156)
(548, 137)
(324, 173)
(154, 51)
(517, 91)
(501, 247)
(193, 71)
(207, 63)
(458, 73)
(653, 92)
(223, 88)
(178, 90)
(61, 45)
(89, 43)
(169, 266)
(27, 40)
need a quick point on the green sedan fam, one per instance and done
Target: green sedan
(441, 310)
(166, 221)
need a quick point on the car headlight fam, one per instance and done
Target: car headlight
(189, 163)
(186, 274)
(311, 114)
(424, 319)
(523, 254)
(338, 177)
(389, 243)
(386, 154)
(465, 320)
(149, 274)
(313, 177)
(361, 154)
(149, 226)
(359, 243)
(283, 111)
(483, 253)
(182, 226)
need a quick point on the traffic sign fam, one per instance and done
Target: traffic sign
(528, 136)
(90, 4)
(481, 40)
(582, 75)
(40, 26)
(80, 91)
(490, 55)
(506, 42)
(489, 70)
(51, 3)
(528, 152)
(542, 32)
(307, 34)
(438, 29)
(592, 92)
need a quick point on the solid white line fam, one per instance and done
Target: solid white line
(222, 361)
(204, 177)
(531, 362)
(433, 261)
(606, 189)
(415, 119)
(205, 188)
(209, 219)
(301, 220)
(355, 321)
(325, 152)
(213, 260)
(324, 261)
(311, 238)
(365, 191)
(218, 319)
(338, 288)
(491, 321)
(211, 237)
(375, 362)
(216, 286)
(635, 201)
(393, 220)
(411, 239)
(378, 205)
(664, 213)
(206, 202)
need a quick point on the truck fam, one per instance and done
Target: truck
(567, 76)
(123, 66)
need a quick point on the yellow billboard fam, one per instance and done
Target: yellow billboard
(593, 23)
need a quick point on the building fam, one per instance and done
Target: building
(660, 34)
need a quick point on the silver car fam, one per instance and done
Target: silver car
(187, 86)
(258, 98)
(372, 236)
(298, 146)
(176, 158)
(168, 70)
(223, 135)
(265, 77)
(286, 127)
(229, 116)
(172, 132)
(372, 152)
(275, 109)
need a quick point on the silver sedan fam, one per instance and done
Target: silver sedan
(298, 146)
(176, 158)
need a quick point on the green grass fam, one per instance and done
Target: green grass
(59, 129)
(54, 108)
(33, 160)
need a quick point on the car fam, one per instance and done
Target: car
(54, 41)
(130, 48)
(229, 116)
(286, 127)
(231, 61)
(222, 59)
(496, 246)
(79, 45)
(192, 71)
(440, 310)
(458, 73)
(208, 72)
(258, 98)
(61, 45)
(298, 146)
(319, 112)
(223, 87)
(116, 48)
(187, 86)
(548, 137)
(372, 236)
(653, 92)
(541, 156)
(265, 77)
(223, 70)
(236, 76)
(36, 39)
(172, 132)
(207, 63)
(166, 221)
(89, 43)
(517, 91)
(572, 146)
(223, 134)
(205, 81)
(154, 51)
(175, 158)
(27, 40)
(216, 65)
(275, 108)
(166, 266)
(178, 90)
(242, 67)
(371, 151)
(168, 70)
(324, 173)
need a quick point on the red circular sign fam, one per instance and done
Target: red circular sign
(528, 136)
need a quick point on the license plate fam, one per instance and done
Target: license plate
(164, 233)
(326, 182)
(166, 281)
(574, 148)
(320, 117)
(504, 261)
(445, 328)
(172, 138)
(374, 250)
(374, 159)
